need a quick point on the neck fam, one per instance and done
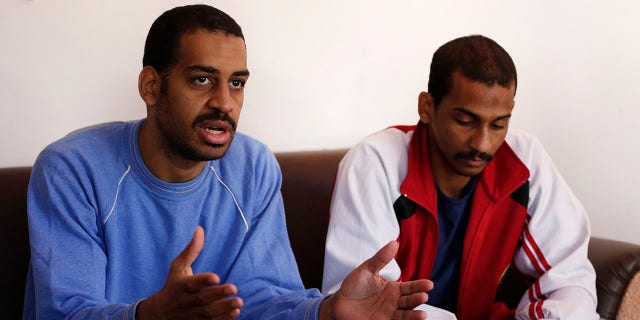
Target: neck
(450, 184)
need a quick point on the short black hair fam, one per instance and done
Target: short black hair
(163, 39)
(477, 58)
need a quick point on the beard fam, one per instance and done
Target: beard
(181, 141)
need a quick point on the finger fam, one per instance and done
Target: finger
(220, 309)
(200, 281)
(381, 258)
(409, 315)
(234, 314)
(413, 300)
(415, 286)
(231, 308)
(220, 292)
(184, 260)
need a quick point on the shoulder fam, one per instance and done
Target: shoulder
(250, 169)
(91, 146)
(245, 148)
(390, 138)
(382, 156)
(526, 146)
(98, 131)
(95, 136)
(249, 156)
(387, 144)
(84, 163)
(245, 143)
(530, 151)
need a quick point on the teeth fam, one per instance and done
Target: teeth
(214, 131)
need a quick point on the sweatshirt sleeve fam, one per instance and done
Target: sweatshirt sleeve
(265, 271)
(554, 244)
(68, 257)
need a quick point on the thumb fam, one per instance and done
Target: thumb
(381, 258)
(182, 263)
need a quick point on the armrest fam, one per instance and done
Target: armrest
(617, 267)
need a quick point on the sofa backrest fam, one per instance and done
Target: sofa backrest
(14, 247)
(308, 179)
(307, 184)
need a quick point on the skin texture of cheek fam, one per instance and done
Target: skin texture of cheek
(179, 138)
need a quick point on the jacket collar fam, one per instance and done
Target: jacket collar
(502, 176)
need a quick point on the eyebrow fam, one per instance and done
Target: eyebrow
(475, 116)
(213, 70)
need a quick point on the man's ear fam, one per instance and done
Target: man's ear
(425, 107)
(149, 82)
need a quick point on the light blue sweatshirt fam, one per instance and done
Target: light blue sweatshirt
(104, 230)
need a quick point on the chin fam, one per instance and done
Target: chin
(208, 153)
(470, 172)
(212, 156)
(218, 152)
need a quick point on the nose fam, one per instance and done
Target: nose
(221, 99)
(481, 140)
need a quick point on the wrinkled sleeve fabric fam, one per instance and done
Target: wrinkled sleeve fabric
(68, 258)
(265, 270)
(554, 243)
(362, 216)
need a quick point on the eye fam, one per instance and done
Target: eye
(499, 125)
(463, 122)
(201, 80)
(236, 83)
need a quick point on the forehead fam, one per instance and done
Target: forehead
(215, 49)
(477, 96)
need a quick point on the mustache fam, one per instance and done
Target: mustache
(474, 155)
(215, 115)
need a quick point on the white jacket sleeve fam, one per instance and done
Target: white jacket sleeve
(362, 215)
(554, 243)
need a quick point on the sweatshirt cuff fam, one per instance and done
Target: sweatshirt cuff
(132, 309)
(309, 309)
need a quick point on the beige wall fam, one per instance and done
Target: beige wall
(327, 73)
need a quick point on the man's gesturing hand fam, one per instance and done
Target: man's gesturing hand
(189, 296)
(365, 294)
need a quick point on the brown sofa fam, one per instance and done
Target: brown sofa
(307, 183)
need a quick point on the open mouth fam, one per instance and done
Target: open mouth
(215, 130)
(216, 133)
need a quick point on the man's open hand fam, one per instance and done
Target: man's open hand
(365, 294)
(189, 296)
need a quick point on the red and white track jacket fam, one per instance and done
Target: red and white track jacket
(526, 229)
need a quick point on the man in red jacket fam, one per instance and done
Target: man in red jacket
(469, 201)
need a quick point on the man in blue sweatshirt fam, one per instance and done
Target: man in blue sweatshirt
(177, 215)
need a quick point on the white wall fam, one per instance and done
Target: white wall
(327, 73)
